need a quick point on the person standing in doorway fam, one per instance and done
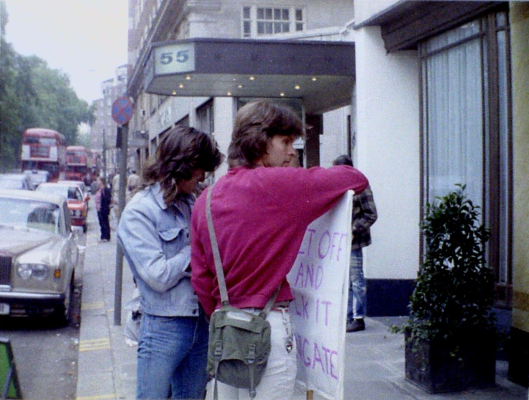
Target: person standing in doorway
(155, 237)
(103, 199)
(364, 215)
(260, 213)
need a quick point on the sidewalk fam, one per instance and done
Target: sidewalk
(107, 366)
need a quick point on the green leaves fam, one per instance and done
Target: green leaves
(31, 95)
(455, 287)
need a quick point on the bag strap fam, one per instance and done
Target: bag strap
(215, 249)
(218, 263)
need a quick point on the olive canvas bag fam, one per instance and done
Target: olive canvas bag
(239, 340)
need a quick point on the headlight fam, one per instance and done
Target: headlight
(40, 271)
(72, 213)
(78, 213)
(37, 271)
(24, 271)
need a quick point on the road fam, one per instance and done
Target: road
(45, 354)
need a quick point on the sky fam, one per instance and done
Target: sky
(86, 39)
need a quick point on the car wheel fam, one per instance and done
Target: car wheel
(85, 228)
(63, 312)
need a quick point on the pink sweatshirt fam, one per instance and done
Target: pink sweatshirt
(260, 217)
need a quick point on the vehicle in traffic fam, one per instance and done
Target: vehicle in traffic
(79, 164)
(38, 255)
(36, 177)
(83, 188)
(71, 192)
(15, 181)
(44, 149)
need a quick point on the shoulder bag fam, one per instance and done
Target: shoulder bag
(239, 340)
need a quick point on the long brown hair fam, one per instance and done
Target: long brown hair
(181, 151)
(255, 125)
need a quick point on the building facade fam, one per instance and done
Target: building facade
(433, 96)
(154, 21)
(103, 132)
(440, 94)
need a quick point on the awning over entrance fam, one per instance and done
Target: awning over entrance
(321, 73)
(407, 22)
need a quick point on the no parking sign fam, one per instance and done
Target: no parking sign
(122, 110)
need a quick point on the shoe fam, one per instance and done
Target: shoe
(356, 325)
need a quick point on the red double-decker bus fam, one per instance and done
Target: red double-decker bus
(79, 163)
(44, 149)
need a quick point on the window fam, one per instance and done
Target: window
(205, 118)
(259, 21)
(467, 133)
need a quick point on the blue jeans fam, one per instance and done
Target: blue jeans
(356, 302)
(172, 356)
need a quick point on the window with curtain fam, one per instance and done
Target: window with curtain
(466, 120)
(453, 84)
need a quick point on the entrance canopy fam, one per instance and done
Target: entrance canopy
(320, 73)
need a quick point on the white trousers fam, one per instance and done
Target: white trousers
(279, 378)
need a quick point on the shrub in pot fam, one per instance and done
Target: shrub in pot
(450, 336)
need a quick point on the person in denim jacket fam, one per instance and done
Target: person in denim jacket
(154, 235)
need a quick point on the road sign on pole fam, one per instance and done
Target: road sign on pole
(122, 110)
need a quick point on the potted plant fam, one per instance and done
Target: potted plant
(450, 336)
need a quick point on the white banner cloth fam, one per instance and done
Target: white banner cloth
(320, 281)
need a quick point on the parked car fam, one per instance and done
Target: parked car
(36, 177)
(73, 196)
(15, 181)
(38, 255)
(83, 188)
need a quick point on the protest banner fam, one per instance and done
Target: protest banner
(319, 280)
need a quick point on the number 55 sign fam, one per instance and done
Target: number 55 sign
(174, 59)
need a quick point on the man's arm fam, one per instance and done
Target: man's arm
(368, 211)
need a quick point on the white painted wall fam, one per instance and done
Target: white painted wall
(224, 110)
(365, 9)
(388, 152)
(333, 142)
(225, 21)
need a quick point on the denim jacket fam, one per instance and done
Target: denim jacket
(156, 243)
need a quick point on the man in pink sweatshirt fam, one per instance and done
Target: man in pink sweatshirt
(260, 213)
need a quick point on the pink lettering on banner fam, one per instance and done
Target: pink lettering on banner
(323, 359)
(308, 276)
(311, 232)
(325, 303)
(302, 344)
(317, 310)
(330, 245)
(301, 305)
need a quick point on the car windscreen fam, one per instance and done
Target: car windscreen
(12, 182)
(31, 214)
(68, 192)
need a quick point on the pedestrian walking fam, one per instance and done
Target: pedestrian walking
(155, 238)
(260, 214)
(103, 199)
(133, 182)
(364, 215)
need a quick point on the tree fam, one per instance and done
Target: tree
(34, 95)
(9, 116)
